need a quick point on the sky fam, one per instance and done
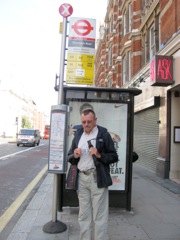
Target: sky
(30, 44)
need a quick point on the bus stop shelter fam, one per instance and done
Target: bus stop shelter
(114, 108)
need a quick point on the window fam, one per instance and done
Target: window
(124, 77)
(126, 62)
(152, 42)
(129, 17)
(129, 65)
(127, 20)
(110, 56)
(109, 83)
(144, 2)
(124, 24)
(111, 25)
(143, 49)
(147, 47)
(26, 132)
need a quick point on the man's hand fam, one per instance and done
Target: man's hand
(94, 151)
(77, 152)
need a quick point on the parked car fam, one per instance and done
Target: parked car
(28, 137)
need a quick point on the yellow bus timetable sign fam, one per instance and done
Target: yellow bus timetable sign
(80, 69)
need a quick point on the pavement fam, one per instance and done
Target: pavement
(4, 140)
(155, 212)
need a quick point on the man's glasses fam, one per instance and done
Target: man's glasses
(88, 122)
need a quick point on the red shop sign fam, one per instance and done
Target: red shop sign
(161, 71)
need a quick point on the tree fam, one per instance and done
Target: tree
(25, 122)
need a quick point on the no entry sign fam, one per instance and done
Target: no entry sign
(65, 10)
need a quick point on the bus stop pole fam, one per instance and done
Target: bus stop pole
(60, 101)
(62, 61)
(56, 226)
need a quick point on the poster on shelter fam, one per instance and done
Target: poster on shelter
(113, 117)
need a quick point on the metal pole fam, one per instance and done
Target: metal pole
(62, 58)
(56, 226)
(54, 200)
(60, 101)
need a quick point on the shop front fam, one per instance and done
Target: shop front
(157, 115)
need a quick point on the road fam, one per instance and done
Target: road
(21, 171)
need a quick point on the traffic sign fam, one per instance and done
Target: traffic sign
(65, 10)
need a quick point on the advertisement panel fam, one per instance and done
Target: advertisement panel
(113, 117)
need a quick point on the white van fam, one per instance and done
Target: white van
(28, 137)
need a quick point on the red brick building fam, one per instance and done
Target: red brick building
(133, 34)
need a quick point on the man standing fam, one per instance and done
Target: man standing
(94, 151)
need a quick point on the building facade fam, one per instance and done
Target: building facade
(13, 107)
(138, 39)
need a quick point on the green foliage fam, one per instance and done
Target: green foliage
(25, 122)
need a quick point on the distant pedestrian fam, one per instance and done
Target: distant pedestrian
(94, 151)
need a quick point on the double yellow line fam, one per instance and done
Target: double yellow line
(8, 214)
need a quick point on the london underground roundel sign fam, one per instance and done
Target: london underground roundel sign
(82, 27)
(65, 10)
